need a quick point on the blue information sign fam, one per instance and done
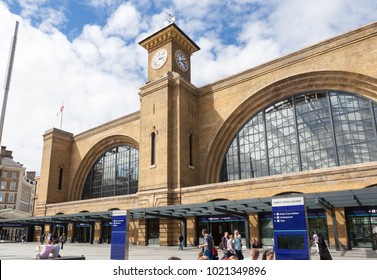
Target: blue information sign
(119, 244)
(290, 229)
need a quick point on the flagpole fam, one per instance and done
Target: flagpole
(7, 82)
(61, 120)
(61, 116)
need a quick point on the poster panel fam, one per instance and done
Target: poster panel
(119, 243)
(290, 229)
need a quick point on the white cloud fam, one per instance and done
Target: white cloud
(297, 23)
(272, 29)
(101, 3)
(30, 7)
(124, 22)
(45, 17)
(91, 75)
(195, 9)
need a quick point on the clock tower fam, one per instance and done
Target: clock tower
(169, 125)
(169, 50)
(169, 130)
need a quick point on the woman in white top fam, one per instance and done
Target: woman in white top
(230, 247)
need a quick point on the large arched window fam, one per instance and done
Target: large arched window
(116, 172)
(306, 131)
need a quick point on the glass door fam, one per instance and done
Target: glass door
(153, 231)
(373, 222)
(360, 230)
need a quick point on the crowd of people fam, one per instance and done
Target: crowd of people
(231, 245)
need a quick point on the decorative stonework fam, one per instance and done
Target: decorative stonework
(170, 32)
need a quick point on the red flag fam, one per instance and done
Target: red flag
(61, 110)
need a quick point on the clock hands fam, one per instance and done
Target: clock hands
(160, 56)
(181, 60)
(159, 59)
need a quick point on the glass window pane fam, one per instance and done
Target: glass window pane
(306, 131)
(115, 173)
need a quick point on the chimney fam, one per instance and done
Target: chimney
(30, 175)
(5, 152)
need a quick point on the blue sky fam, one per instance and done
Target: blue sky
(85, 53)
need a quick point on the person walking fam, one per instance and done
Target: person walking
(315, 241)
(180, 238)
(324, 253)
(230, 250)
(63, 239)
(207, 246)
(238, 245)
(42, 239)
(224, 241)
(23, 239)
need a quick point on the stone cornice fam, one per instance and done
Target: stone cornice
(106, 126)
(346, 173)
(170, 78)
(170, 32)
(57, 134)
(90, 202)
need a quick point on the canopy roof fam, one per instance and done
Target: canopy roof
(329, 200)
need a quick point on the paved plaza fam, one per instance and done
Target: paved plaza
(18, 251)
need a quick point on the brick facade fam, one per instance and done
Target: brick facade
(173, 109)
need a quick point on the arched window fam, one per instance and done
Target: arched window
(116, 172)
(306, 131)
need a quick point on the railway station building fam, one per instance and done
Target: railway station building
(214, 156)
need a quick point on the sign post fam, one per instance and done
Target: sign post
(291, 241)
(119, 242)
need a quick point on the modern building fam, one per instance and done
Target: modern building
(16, 194)
(214, 156)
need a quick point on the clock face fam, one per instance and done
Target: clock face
(181, 60)
(159, 58)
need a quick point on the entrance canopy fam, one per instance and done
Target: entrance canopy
(328, 200)
(60, 219)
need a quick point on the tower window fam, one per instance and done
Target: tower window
(60, 184)
(153, 148)
(190, 150)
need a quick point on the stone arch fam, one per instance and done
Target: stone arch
(92, 155)
(362, 85)
(290, 193)
(218, 199)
